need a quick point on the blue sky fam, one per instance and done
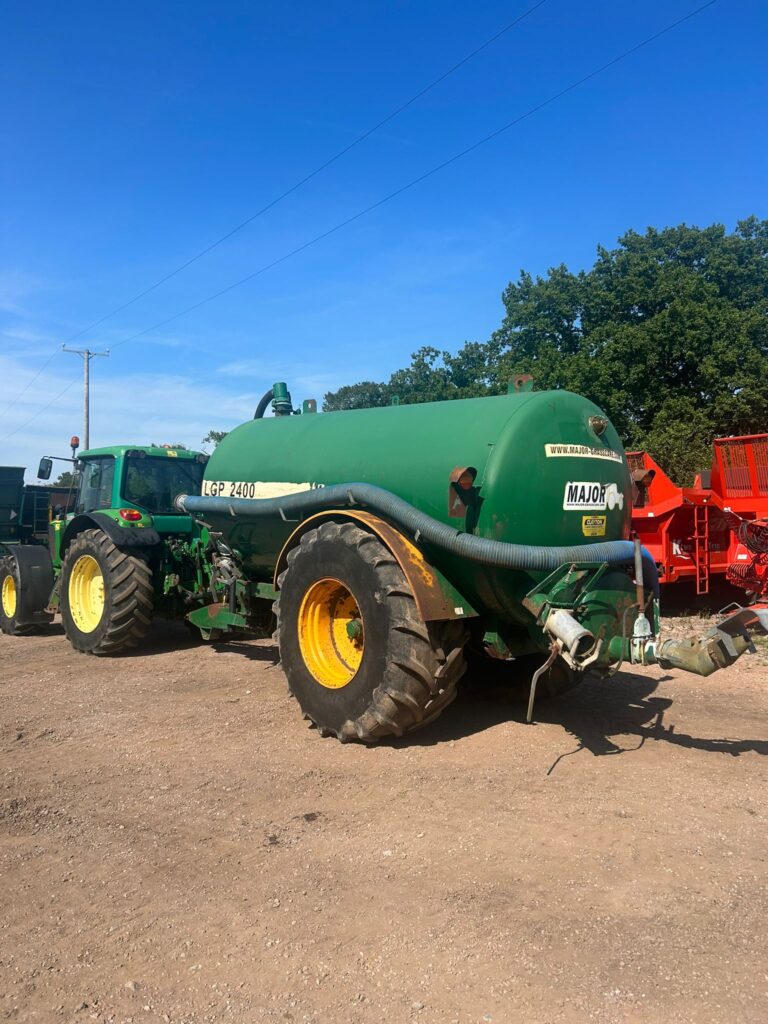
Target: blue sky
(132, 136)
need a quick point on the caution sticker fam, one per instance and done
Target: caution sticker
(593, 526)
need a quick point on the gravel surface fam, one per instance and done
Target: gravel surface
(176, 845)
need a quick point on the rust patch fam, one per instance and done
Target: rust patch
(462, 493)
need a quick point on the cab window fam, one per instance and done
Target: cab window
(151, 482)
(96, 484)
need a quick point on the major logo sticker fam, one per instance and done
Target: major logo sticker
(591, 496)
(580, 451)
(593, 526)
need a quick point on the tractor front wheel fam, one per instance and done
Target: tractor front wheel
(106, 595)
(359, 658)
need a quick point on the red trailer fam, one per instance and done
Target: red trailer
(717, 527)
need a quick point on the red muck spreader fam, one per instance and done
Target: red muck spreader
(717, 527)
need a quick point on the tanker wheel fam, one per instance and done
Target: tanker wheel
(9, 599)
(358, 657)
(106, 595)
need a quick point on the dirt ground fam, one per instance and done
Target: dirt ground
(176, 845)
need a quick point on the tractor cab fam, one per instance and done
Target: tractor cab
(126, 488)
(145, 480)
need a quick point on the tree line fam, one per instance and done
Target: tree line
(668, 333)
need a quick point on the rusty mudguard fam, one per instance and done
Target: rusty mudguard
(435, 597)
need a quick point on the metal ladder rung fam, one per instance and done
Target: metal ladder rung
(701, 547)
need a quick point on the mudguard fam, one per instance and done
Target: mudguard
(435, 598)
(122, 536)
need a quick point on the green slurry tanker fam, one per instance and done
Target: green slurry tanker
(389, 546)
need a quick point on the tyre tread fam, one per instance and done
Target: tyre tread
(425, 660)
(132, 596)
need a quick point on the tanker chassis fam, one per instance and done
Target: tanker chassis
(387, 547)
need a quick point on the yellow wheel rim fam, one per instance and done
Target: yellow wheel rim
(9, 597)
(86, 593)
(331, 637)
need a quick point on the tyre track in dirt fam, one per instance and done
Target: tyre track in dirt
(176, 845)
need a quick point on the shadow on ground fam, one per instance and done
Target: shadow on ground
(605, 716)
(168, 635)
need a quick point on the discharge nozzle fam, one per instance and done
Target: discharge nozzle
(577, 641)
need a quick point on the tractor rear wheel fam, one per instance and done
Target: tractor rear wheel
(359, 658)
(106, 595)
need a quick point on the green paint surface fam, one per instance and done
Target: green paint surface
(412, 450)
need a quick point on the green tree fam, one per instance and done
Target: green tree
(214, 437)
(64, 479)
(668, 333)
(432, 376)
(365, 395)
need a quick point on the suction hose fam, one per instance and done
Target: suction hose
(495, 553)
(263, 405)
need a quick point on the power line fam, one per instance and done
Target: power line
(30, 382)
(312, 174)
(422, 177)
(283, 195)
(40, 411)
(403, 188)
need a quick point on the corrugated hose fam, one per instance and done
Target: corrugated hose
(421, 527)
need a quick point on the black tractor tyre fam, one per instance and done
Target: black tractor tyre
(9, 607)
(26, 582)
(128, 596)
(408, 670)
(512, 678)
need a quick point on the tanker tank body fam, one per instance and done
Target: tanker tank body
(522, 450)
(397, 537)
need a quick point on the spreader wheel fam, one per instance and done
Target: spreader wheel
(359, 658)
(26, 581)
(106, 595)
(9, 600)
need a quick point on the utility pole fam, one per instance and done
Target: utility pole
(87, 357)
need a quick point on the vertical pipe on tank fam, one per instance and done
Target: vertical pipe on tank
(640, 591)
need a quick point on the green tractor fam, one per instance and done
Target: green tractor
(121, 554)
